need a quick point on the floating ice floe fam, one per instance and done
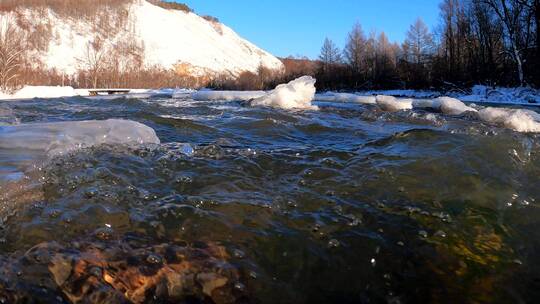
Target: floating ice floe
(515, 119)
(62, 137)
(392, 104)
(296, 94)
(226, 95)
(445, 105)
(345, 97)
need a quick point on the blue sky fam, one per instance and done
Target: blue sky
(298, 27)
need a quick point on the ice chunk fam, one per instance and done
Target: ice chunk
(356, 98)
(296, 94)
(392, 104)
(515, 119)
(452, 106)
(226, 95)
(446, 105)
(345, 97)
(62, 137)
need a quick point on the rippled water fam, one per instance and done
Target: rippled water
(347, 204)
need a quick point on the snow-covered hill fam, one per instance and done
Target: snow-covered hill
(171, 39)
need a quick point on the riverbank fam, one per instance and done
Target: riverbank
(478, 94)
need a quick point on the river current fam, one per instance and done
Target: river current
(238, 204)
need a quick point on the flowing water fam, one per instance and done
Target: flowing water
(239, 204)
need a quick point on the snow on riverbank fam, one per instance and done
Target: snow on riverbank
(30, 92)
(402, 93)
(478, 94)
(521, 96)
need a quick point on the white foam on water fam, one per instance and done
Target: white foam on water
(296, 94)
(526, 121)
(62, 137)
(226, 95)
(392, 104)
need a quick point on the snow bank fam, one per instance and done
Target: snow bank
(169, 92)
(227, 95)
(402, 93)
(520, 95)
(515, 119)
(392, 104)
(446, 105)
(296, 94)
(29, 92)
(345, 97)
(4, 95)
(62, 137)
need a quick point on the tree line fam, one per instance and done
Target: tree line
(494, 42)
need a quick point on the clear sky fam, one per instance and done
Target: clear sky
(298, 27)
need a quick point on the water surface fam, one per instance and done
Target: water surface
(347, 204)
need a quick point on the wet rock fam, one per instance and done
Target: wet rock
(104, 233)
(211, 282)
(440, 234)
(154, 259)
(61, 267)
(121, 272)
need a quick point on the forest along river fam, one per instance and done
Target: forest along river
(343, 204)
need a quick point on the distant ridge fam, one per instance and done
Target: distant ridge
(132, 32)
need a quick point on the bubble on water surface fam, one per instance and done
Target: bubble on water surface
(333, 243)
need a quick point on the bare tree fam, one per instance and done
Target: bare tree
(95, 59)
(511, 13)
(419, 43)
(330, 55)
(355, 48)
(386, 54)
(11, 50)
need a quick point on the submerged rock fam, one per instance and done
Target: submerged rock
(116, 272)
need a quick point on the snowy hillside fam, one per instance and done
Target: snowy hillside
(171, 39)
